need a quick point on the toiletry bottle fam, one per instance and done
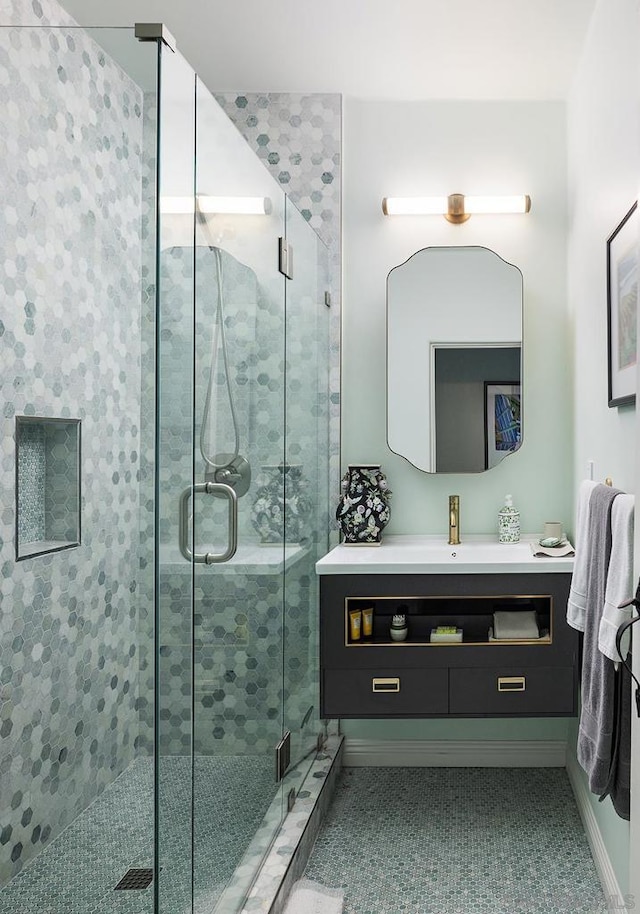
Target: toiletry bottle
(399, 628)
(508, 522)
(367, 622)
(355, 624)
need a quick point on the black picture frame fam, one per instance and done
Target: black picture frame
(622, 306)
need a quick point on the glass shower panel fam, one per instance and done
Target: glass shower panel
(306, 481)
(239, 445)
(174, 478)
(76, 779)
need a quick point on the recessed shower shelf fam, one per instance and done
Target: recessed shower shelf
(41, 546)
(47, 485)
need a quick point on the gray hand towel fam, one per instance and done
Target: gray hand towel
(619, 785)
(595, 736)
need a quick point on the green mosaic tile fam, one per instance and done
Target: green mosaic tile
(77, 873)
(457, 841)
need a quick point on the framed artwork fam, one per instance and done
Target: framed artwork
(503, 430)
(622, 309)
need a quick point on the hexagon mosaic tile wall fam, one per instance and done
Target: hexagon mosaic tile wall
(299, 138)
(70, 151)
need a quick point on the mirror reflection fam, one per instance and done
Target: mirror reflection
(454, 359)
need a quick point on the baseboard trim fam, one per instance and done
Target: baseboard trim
(405, 753)
(601, 858)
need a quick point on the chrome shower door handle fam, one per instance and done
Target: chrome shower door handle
(221, 488)
(208, 558)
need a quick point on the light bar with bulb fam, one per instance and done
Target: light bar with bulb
(456, 207)
(519, 203)
(414, 206)
(219, 206)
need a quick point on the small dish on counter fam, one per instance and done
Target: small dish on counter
(552, 542)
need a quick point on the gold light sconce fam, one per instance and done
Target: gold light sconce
(455, 208)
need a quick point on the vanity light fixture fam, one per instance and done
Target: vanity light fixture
(231, 206)
(455, 208)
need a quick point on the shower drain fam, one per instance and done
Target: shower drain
(136, 879)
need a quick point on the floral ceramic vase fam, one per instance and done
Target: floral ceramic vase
(281, 510)
(363, 510)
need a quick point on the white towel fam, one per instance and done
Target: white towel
(553, 552)
(577, 594)
(514, 626)
(619, 579)
(312, 898)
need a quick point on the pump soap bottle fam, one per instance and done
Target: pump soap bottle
(508, 522)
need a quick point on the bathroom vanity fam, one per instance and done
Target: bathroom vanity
(433, 585)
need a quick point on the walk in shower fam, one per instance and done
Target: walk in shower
(165, 304)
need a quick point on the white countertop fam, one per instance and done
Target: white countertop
(414, 554)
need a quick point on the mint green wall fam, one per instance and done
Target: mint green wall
(603, 183)
(435, 147)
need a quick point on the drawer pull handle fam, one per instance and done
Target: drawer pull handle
(511, 683)
(386, 685)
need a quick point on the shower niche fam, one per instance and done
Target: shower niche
(47, 485)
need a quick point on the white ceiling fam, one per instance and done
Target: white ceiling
(479, 49)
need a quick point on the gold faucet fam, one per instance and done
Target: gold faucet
(454, 520)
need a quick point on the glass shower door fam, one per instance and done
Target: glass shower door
(220, 424)
(174, 438)
(239, 449)
(242, 470)
(306, 484)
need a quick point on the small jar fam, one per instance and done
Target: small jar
(399, 629)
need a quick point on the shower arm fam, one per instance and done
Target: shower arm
(208, 558)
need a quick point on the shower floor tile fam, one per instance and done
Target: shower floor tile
(456, 841)
(77, 873)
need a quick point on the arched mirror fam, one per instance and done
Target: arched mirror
(454, 359)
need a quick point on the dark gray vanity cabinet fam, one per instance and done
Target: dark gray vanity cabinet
(478, 677)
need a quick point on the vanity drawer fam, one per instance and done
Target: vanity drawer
(512, 691)
(384, 692)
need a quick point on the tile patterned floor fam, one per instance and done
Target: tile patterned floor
(456, 841)
(76, 874)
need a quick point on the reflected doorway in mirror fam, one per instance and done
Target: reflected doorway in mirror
(460, 373)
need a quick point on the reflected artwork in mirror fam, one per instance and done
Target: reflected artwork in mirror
(454, 359)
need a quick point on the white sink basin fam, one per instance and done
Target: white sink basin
(432, 555)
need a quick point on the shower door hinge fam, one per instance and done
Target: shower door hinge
(285, 258)
(291, 799)
(327, 298)
(283, 756)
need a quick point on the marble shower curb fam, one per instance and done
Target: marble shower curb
(290, 851)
